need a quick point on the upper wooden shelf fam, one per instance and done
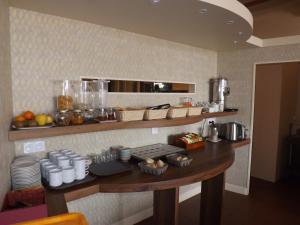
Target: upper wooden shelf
(15, 135)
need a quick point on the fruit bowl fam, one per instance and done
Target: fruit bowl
(28, 120)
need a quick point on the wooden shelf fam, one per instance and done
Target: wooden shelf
(15, 135)
(238, 144)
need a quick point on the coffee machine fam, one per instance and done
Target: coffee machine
(218, 90)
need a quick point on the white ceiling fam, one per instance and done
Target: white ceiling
(175, 20)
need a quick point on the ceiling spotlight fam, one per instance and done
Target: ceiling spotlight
(229, 22)
(235, 42)
(240, 33)
(203, 11)
(154, 2)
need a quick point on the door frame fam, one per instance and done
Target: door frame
(253, 108)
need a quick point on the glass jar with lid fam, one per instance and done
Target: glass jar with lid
(77, 117)
(63, 118)
(64, 93)
(90, 115)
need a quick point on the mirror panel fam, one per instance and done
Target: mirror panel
(136, 86)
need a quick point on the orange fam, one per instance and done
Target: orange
(20, 118)
(28, 115)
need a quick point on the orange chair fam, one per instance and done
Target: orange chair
(64, 219)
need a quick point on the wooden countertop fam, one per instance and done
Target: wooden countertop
(208, 162)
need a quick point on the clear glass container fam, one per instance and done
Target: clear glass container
(101, 89)
(111, 114)
(64, 94)
(63, 118)
(187, 101)
(85, 95)
(90, 115)
(77, 117)
(102, 115)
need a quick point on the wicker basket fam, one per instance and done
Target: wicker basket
(154, 171)
(155, 114)
(172, 159)
(130, 115)
(194, 111)
(177, 112)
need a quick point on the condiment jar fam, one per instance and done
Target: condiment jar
(89, 115)
(77, 118)
(63, 118)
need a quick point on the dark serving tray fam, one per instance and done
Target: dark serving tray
(109, 168)
(87, 179)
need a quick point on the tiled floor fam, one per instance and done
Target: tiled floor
(267, 204)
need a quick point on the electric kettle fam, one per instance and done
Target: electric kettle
(235, 131)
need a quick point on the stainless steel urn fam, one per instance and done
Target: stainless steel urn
(218, 90)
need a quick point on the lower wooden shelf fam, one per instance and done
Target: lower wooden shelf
(15, 135)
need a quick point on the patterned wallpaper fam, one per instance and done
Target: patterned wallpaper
(6, 147)
(238, 67)
(45, 48)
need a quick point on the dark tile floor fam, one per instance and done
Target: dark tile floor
(267, 204)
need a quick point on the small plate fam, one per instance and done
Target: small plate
(32, 128)
(106, 121)
(214, 141)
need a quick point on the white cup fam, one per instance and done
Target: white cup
(65, 151)
(217, 107)
(55, 177)
(44, 160)
(81, 168)
(68, 174)
(54, 158)
(47, 169)
(52, 153)
(43, 169)
(71, 154)
(63, 161)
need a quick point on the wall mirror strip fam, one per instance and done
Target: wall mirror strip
(141, 86)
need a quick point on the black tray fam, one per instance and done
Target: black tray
(109, 168)
(87, 179)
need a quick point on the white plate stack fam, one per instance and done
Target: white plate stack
(25, 172)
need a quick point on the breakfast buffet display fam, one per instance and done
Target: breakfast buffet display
(85, 102)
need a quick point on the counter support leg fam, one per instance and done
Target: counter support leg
(211, 200)
(166, 207)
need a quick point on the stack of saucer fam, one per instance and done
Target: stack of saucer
(25, 173)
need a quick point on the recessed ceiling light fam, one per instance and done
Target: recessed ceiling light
(229, 22)
(240, 33)
(203, 11)
(154, 2)
(235, 42)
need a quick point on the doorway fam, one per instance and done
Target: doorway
(276, 116)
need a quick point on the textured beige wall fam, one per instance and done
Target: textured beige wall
(238, 67)
(6, 148)
(45, 48)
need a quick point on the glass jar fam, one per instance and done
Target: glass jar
(101, 89)
(187, 101)
(85, 95)
(77, 117)
(63, 118)
(90, 115)
(102, 115)
(111, 114)
(64, 93)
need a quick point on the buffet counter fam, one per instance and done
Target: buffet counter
(208, 166)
